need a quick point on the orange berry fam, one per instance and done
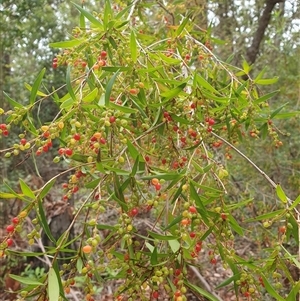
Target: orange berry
(87, 249)
(154, 181)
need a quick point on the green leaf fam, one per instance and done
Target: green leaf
(269, 288)
(91, 96)
(235, 226)
(26, 189)
(25, 280)
(287, 115)
(109, 88)
(173, 92)
(44, 222)
(246, 67)
(278, 110)
(134, 153)
(295, 203)
(36, 86)
(280, 193)
(79, 265)
(68, 83)
(153, 258)
(17, 195)
(201, 291)
(267, 81)
(228, 281)
(265, 97)
(173, 222)
(11, 101)
(123, 108)
(66, 44)
(182, 25)
(293, 293)
(46, 188)
(174, 245)
(89, 16)
(39, 93)
(133, 47)
(203, 83)
(160, 236)
(107, 14)
(53, 285)
(268, 215)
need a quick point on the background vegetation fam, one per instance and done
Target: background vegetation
(256, 36)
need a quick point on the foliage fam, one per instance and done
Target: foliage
(148, 121)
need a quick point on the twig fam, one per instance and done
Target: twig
(204, 282)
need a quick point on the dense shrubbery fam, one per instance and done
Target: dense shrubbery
(147, 124)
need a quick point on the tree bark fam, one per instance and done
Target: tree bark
(263, 23)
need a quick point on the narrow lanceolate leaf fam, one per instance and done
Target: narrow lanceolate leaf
(91, 96)
(269, 288)
(39, 93)
(46, 188)
(69, 85)
(267, 81)
(153, 258)
(26, 189)
(109, 88)
(25, 280)
(205, 84)
(280, 193)
(182, 25)
(295, 203)
(66, 44)
(173, 92)
(89, 16)
(200, 291)
(12, 102)
(53, 285)
(133, 47)
(36, 86)
(44, 222)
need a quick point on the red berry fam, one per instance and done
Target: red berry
(54, 65)
(155, 294)
(192, 235)
(157, 186)
(65, 185)
(5, 133)
(46, 134)
(134, 91)
(15, 220)
(198, 247)
(183, 139)
(102, 140)
(147, 158)
(166, 114)
(76, 136)
(69, 152)
(213, 260)
(177, 294)
(75, 189)
(112, 119)
(223, 216)
(3, 126)
(163, 161)
(10, 228)
(45, 148)
(61, 151)
(23, 141)
(9, 242)
(211, 121)
(246, 294)
(134, 212)
(177, 272)
(193, 105)
(193, 209)
(209, 129)
(49, 143)
(38, 152)
(103, 54)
